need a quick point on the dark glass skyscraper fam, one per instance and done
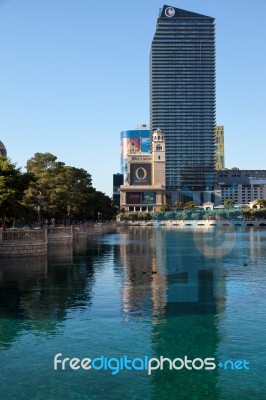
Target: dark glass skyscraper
(182, 98)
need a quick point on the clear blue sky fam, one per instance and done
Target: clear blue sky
(75, 73)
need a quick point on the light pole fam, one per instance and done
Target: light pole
(41, 209)
(68, 214)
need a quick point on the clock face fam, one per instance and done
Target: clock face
(169, 12)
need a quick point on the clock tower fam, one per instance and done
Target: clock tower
(158, 151)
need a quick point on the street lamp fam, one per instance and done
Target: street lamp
(68, 214)
(41, 209)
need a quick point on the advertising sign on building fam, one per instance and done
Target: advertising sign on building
(133, 198)
(149, 198)
(140, 174)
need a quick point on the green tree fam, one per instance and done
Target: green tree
(189, 204)
(158, 216)
(248, 213)
(64, 189)
(229, 203)
(260, 204)
(260, 214)
(210, 214)
(194, 215)
(164, 208)
(179, 205)
(13, 183)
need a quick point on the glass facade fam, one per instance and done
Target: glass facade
(182, 96)
(118, 180)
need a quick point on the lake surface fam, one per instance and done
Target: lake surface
(138, 292)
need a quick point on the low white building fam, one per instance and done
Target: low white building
(242, 186)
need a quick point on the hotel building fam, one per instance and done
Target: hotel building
(242, 186)
(144, 184)
(182, 101)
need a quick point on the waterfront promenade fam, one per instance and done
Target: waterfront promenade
(35, 242)
(198, 223)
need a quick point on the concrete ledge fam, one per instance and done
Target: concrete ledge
(198, 223)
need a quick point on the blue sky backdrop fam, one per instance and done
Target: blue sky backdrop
(75, 73)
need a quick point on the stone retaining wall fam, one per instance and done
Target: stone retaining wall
(57, 236)
(22, 249)
(35, 242)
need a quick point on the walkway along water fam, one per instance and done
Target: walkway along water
(35, 242)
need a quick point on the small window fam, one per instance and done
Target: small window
(159, 148)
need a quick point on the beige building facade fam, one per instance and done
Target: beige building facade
(144, 186)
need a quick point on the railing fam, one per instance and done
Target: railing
(25, 235)
(79, 228)
(53, 232)
(60, 231)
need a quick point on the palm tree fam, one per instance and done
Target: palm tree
(179, 204)
(260, 203)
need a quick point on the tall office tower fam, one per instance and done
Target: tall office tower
(219, 154)
(182, 101)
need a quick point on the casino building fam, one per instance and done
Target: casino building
(144, 185)
(182, 101)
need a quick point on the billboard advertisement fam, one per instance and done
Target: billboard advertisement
(133, 198)
(140, 174)
(149, 198)
(141, 198)
(145, 145)
(133, 142)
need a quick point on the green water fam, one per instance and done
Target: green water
(137, 292)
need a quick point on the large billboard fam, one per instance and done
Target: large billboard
(140, 174)
(133, 198)
(149, 198)
(133, 142)
(141, 198)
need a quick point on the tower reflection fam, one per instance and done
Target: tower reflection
(183, 291)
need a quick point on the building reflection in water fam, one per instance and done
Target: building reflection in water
(36, 294)
(144, 288)
(184, 292)
(164, 269)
